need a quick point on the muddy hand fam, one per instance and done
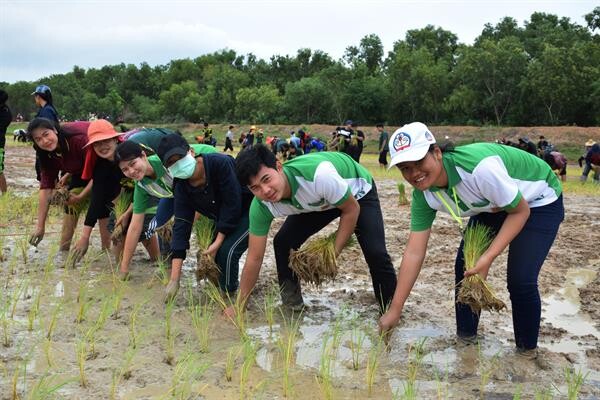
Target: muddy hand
(81, 248)
(36, 237)
(171, 290)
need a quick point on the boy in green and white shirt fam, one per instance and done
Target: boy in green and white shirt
(311, 191)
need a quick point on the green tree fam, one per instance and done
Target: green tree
(259, 104)
(307, 100)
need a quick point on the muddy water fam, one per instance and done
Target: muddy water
(569, 337)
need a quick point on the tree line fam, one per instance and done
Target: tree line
(546, 72)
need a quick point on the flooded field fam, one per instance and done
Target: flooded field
(82, 334)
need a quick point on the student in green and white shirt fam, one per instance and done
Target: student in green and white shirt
(152, 181)
(311, 191)
(509, 190)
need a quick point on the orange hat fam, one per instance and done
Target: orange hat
(100, 129)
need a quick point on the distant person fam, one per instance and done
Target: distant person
(249, 139)
(42, 95)
(527, 145)
(260, 136)
(383, 145)
(229, 139)
(5, 119)
(585, 164)
(206, 136)
(542, 144)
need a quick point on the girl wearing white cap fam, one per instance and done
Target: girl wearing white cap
(514, 193)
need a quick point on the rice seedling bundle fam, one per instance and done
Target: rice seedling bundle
(121, 205)
(165, 232)
(402, 199)
(206, 267)
(61, 195)
(315, 262)
(474, 291)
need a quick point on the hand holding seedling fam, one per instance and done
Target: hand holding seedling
(229, 312)
(212, 249)
(73, 199)
(63, 180)
(389, 320)
(37, 236)
(482, 267)
(81, 247)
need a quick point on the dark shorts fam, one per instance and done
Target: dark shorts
(383, 158)
(146, 231)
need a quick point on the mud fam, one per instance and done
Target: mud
(569, 336)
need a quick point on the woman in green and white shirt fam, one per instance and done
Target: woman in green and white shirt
(514, 193)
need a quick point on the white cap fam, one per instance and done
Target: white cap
(344, 132)
(410, 143)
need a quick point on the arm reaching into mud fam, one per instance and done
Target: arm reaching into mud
(256, 253)
(410, 267)
(42, 214)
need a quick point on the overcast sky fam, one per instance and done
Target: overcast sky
(44, 37)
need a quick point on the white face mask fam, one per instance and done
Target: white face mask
(183, 168)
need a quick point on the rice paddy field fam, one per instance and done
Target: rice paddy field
(80, 333)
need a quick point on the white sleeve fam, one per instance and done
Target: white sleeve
(494, 182)
(330, 185)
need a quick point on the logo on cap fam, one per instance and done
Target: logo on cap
(428, 136)
(401, 141)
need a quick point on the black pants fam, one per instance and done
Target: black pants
(370, 234)
(228, 144)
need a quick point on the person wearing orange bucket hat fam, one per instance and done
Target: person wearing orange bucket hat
(515, 194)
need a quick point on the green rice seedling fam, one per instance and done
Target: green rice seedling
(169, 334)
(249, 351)
(486, 367)
(81, 356)
(575, 380)
(84, 306)
(230, 363)
(402, 199)
(315, 262)
(544, 394)
(23, 247)
(34, 310)
(287, 345)
(269, 304)
(16, 295)
(53, 318)
(214, 294)
(122, 203)
(5, 321)
(441, 386)
(162, 271)
(357, 339)
(14, 382)
(415, 355)
(123, 372)
(337, 330)
(474, 291)
(187, 372)
(517, 395)
(324, 379)
(49, 265)
(377, 347)
(47, 347)
(206, 268)
(201, 318)
(105, 311)
(118, 291)
(46, 387)
(133, 333)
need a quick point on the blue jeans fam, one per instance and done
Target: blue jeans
(526, 254)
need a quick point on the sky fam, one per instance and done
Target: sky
(43, 37)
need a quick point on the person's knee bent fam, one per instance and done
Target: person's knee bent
(523, 292)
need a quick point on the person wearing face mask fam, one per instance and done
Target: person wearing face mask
(206, 183)
(109, 181)
(514, 193)
(60, 150)
(152, 182)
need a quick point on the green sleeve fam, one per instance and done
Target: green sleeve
(421, 215)
(140, 200)
(513, 203)
(260, 218)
